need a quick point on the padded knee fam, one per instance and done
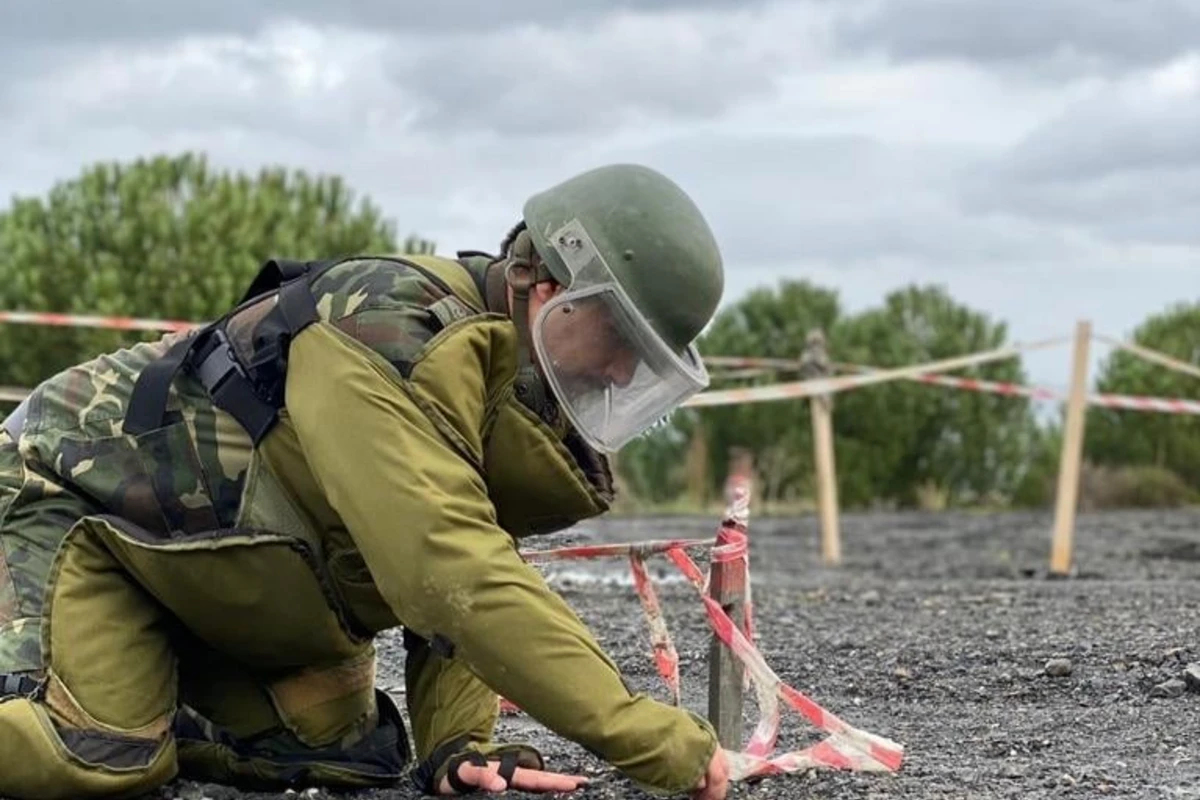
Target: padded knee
(208, 752)
(42, 760)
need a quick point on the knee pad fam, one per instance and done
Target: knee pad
(208, 752)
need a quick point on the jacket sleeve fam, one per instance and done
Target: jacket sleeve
(446, 701)
(400, 465)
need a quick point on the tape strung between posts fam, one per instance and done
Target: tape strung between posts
(846, 747)
(819, 386)
(1161, 405)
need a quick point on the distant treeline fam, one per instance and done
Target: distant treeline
(172, 237)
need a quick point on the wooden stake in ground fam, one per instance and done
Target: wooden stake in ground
(725, 673)
(728, 587)
(815, 364)
(1067, 499)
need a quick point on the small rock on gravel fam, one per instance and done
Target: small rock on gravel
(1171, 688)
(1059, 667)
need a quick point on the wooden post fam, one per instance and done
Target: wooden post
(695, 465)
(725, 684)
(726, 675)
(827, 500)
(1072, 454)
(815, 364)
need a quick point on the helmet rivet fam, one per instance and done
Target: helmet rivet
(628, 255)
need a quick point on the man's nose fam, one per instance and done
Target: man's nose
(621, 369)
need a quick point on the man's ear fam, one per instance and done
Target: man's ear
(544, 290)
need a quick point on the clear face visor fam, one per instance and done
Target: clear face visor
(614, 377)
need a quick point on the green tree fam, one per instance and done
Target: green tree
(1131, 438)
(162, 237)
(767, 324)
(891, 439)
(895, 438)
(652, 466)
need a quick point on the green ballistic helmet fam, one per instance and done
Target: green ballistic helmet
(650, 234)
(643, 276)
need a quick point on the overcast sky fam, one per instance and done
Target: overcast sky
(1040, 158)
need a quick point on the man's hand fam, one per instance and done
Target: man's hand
(715, 783)
(523, 780)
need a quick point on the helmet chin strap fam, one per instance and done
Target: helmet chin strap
(520, 271)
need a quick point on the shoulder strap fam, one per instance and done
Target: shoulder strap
(208, 354)
(276, 272)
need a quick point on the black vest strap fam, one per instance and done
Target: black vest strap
(275, 273)
(148, 404)
(251, 397)
(18, 685)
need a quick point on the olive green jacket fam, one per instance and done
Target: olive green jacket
(405, 456)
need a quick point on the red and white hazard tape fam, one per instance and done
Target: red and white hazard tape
(924, 373)
(823, 386)
(1164, 405)
(666, 657)
(94, 321)
(846, 747)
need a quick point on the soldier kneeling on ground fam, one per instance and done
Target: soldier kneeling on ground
(200, 537)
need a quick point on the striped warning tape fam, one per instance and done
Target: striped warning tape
(1164, 405)
(780, 391)
(822, 386)
(845, 746)
(96, 321)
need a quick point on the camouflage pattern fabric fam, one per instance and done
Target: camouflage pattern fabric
(183, 482)
(35, 515)
(187, 477)
(392, 309)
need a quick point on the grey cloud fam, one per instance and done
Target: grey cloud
(1151, 207)
(539, 81)
(847, 201)
(88, 21)
(1088, 33)
(526, 81)
(1111, 133)
(235, 89)
(1124, 165)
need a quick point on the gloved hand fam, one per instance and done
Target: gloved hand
(470, 767)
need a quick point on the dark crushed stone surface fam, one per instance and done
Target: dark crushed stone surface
(937, 632)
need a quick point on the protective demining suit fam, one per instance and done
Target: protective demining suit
(186, 592)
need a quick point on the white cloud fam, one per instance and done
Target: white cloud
(844, 141)
(1057, 38)
(1121, 163)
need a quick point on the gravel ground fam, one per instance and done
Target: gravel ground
(940, 631)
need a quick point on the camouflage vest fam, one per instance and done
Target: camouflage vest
(197, 468)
